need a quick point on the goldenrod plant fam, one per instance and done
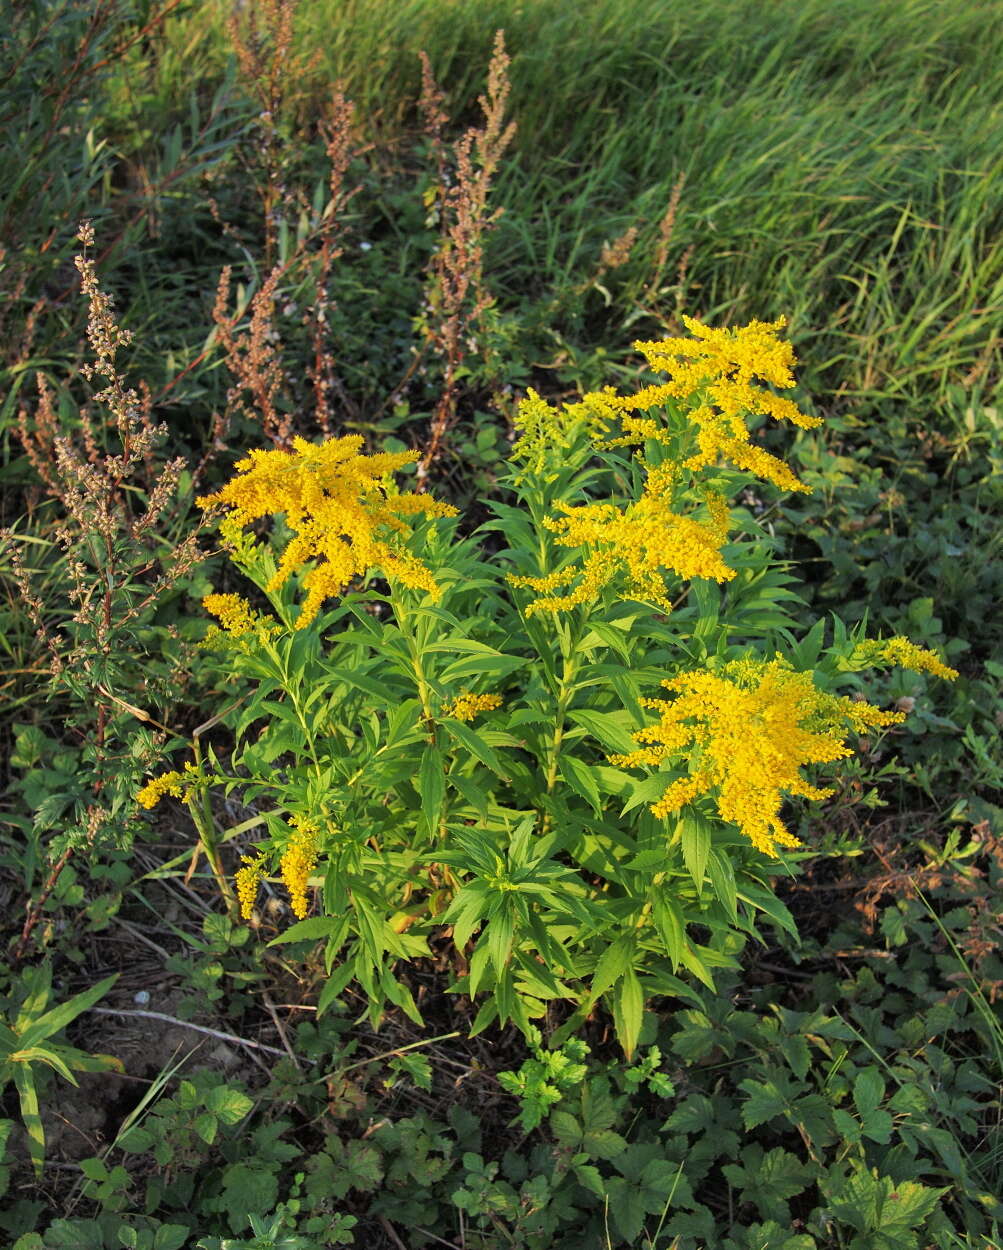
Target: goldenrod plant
(458, 737)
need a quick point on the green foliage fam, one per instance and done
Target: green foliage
(26, 1041)
(841, 1087)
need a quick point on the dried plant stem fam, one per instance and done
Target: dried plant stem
(457, 298)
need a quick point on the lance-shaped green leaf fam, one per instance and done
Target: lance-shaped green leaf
(59, 1017)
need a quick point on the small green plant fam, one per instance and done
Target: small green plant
(27, 1041)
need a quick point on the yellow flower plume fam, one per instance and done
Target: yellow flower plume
(173, 782)
(905, 654)
(747, 732)
(722, 370)
(344, 517)
(641, 541)
(247, 879)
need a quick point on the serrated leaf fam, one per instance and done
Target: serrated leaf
(765, 1101)
(868, 1091)
(613, 963)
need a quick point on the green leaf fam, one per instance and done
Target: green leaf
(611, 728)
(613, 963)
(248, 1189)
(24, 1081)
(228, 1104)
(722, 879)
(868, 1091)
(206, 1125)
(475, 744)
(170, 1237)
(696, 839)
(431, 787)
(765, 1102)
(668, 918)
(628, 1011)
(581, 779)
(59, 1017)
(769, 1179)
(310, 930)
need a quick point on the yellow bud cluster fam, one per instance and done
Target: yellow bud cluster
(172, 782)
(232, 612)
(466, 706)
(746, 732)
(298, 861)
(546, 431)
(247, 879)
(344, 518)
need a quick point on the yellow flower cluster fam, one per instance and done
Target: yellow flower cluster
(905, 654)
(746, 732)
(298, 861)
(239, 622)
(546, 431)
(343, 515)
(168, 783)
(247, 879)
(233, 613)
(466, 706)
(642, 540)
(719, 369)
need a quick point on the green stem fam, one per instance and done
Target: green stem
(404, 624)
(571, 663)
(202, 817)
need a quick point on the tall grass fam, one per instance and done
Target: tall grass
(841, 162)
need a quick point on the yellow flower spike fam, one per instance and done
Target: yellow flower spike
(466, 706)
(907, 654)
(337, 504)
(247, 878)
(155, 789)
(748, 731)
(298, 861)
(719, 368)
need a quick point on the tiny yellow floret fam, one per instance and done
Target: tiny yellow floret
(466, 706)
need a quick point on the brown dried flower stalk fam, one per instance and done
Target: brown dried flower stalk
(109, 534)
(456, 296)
